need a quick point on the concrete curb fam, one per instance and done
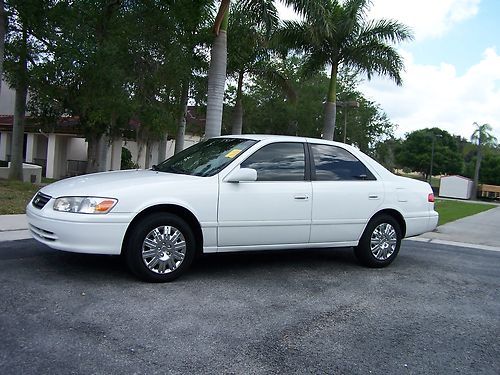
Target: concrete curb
(14, 235)
(453, 243)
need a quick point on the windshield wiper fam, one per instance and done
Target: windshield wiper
(172, 169)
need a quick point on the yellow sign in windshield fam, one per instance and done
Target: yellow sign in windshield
(231, 154)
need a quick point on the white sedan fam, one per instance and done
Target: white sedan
(235, 193)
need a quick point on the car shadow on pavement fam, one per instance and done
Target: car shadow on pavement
(104, 267)
(214, 265)
(249, 262)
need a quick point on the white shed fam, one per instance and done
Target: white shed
(456, 187)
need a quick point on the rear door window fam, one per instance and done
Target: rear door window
(332, 163)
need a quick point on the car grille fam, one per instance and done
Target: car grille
(40, 200)
(42, 233)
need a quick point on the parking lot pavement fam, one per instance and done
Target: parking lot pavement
(436, 309)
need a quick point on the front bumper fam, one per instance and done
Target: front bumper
(79, 233)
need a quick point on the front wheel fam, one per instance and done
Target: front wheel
(160, 248)
(379, 245)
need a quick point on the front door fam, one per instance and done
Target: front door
(275, 210)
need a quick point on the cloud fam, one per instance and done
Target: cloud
(434, 95)
(427, 18)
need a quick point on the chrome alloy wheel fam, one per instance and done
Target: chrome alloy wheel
(164, 249)
(383, 241)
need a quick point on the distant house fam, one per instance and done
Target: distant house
(456, 187)
(62, 151)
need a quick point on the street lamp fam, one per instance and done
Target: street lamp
(345, 105)
(434, 136)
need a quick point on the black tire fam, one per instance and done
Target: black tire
(364, 251)
(136, 248)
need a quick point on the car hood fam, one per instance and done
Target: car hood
(111, 184)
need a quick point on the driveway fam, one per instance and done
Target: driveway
(436, 309)
(480, 230)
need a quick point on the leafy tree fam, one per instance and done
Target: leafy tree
(29, 28)
(481, 137)
(3, 30)
(415, 152)
(490, 169)
(386, 151)
(122, 62)
(342, 37)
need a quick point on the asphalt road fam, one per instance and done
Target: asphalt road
(436, 309)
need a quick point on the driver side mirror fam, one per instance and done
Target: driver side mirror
(242, 174)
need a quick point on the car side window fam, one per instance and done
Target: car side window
(333, 163)
(278, 162)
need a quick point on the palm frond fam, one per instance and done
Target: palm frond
(263, 12)
(385, 30)
(375, 57)
(483, 135)
(317, 12)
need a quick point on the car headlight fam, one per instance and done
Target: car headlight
(84, 205)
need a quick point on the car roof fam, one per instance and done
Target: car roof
(283, 138)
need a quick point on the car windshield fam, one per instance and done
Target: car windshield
(205, 158)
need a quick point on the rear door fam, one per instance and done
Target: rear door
(345, 194)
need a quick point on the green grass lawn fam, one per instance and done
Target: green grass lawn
(453, 210)
(15, 195)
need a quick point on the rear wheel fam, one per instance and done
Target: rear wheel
(379, 245)
(160, 248)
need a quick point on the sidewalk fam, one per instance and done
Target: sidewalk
(480, 231)
(13, 227)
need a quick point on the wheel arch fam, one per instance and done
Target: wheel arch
(396, 215)
(175, 209)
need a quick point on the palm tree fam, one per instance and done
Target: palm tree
(265, 12)
(345, 38)
(250, 55)
(481, 137)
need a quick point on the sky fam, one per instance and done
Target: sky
(452, 66)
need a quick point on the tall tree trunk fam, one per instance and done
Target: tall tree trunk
(238, 107)
(330, 106)
(149, 155)
(479, 158)
(181, 126)
(16, 165)
(93, 141)
(2, 39)
(97, 153)
(102, 153)
(217, 81)
(162, 148)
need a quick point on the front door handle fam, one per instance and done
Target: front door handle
(373, 196)
(301, 197)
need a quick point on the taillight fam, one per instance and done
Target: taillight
(430, 198)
